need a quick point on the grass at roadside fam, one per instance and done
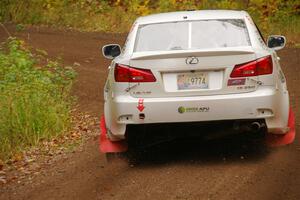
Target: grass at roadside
(35, 101)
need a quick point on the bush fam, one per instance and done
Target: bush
(34, 99)
(272, 16)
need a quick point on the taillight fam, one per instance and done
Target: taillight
(125, 73)
(261, 66)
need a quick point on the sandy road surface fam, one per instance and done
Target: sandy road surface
(230, 169)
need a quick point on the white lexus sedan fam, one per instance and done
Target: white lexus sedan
(195, 67)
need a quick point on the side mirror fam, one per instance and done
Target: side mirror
(111, 51)
(276, 42)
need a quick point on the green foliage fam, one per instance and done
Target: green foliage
(34, 99)
(272, 16)
(20, 27)
(277, 17)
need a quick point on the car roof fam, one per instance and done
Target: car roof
(191, 15)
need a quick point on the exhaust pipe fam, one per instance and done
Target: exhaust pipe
(249, 126)
(256, 126)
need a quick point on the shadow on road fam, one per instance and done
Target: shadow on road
(194, 151)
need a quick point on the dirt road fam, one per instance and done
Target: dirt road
(229, 169)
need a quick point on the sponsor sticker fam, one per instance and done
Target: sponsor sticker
(239, 81)
(141, 106)
(182, 109)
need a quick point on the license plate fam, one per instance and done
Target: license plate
(197, 80)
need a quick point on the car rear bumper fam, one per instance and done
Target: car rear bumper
(264, 103)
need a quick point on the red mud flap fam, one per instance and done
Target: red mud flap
(274, 140)
(107, 146)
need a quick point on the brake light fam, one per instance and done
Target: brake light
(125, 73)
(261, 66)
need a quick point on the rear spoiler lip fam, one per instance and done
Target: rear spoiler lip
(148, 55)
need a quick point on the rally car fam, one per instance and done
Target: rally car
(195, 67)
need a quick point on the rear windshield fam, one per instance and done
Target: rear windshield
(204, 34)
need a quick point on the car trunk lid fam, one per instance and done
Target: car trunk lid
(193, 72)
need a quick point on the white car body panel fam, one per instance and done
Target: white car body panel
(261, 97)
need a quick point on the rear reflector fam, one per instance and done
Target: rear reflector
(125, 73)
(261, 66)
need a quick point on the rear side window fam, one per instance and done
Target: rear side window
(204, 34)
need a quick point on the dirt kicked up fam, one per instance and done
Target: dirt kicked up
(226, 169)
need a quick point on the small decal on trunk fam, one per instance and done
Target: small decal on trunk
(142, 92)
(240, 81)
